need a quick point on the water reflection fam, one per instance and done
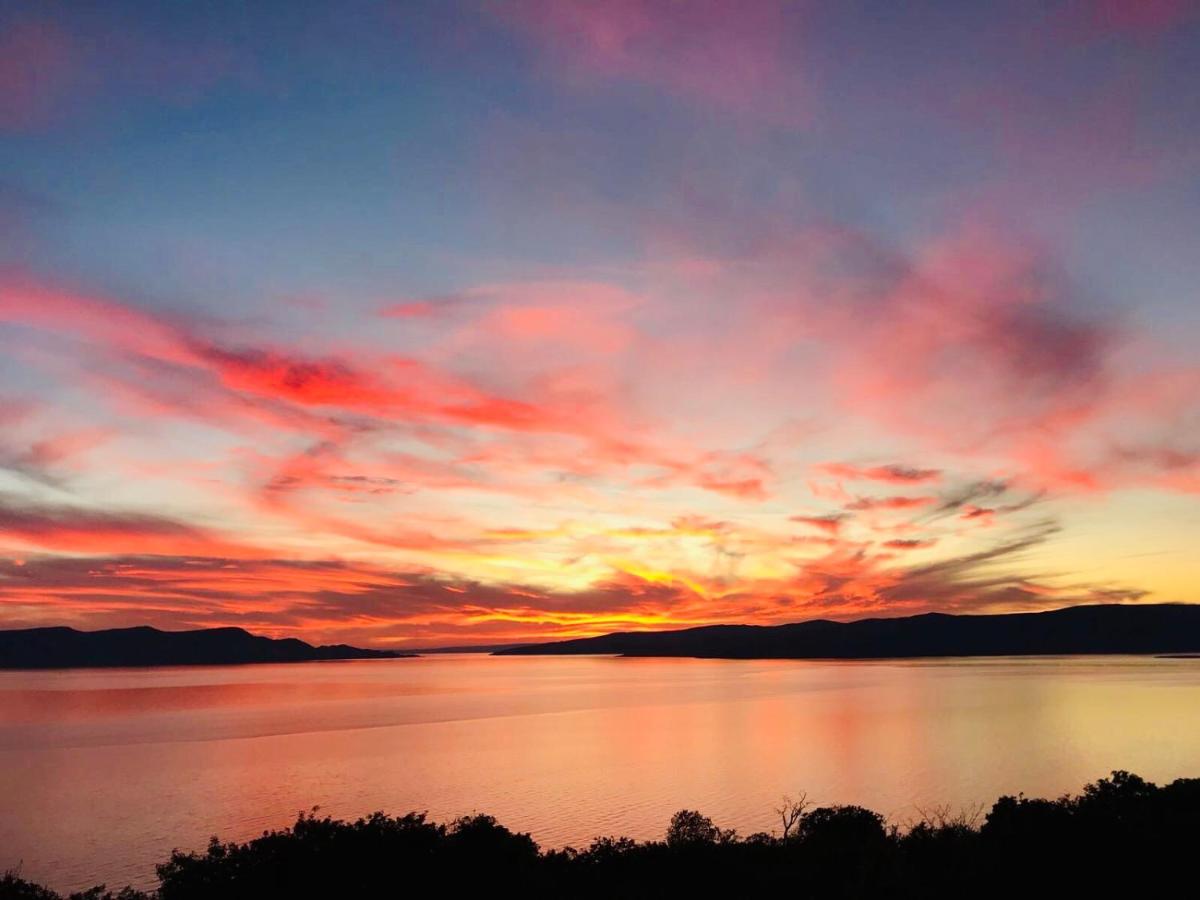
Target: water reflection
(103, 772)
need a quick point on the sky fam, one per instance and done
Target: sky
(420, 324)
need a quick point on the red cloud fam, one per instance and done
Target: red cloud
(978, 512)
(872, 503)
(831, 523)
(310, 382)
(403, 388)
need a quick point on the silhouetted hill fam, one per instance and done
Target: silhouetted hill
(1162, 628)
(67, 648)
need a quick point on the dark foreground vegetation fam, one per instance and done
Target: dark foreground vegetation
(1161, 628)
(1121, 835)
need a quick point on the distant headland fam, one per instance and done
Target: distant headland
(1160, 629)
(68, 648)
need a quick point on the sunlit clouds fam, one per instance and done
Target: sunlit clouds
(651, 315)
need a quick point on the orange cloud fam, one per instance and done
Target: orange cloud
(77, 530)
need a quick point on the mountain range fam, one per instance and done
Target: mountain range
(1141, 629)
(68, 648)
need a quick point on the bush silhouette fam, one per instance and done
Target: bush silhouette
(833, 827)
(688, 828)
(1121, 834)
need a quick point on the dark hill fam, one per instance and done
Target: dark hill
(1162, 628)
(67, 648)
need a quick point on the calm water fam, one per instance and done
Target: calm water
(103, 772)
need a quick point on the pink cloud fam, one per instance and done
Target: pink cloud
(393, 387)
(732, 353)
(743, 489)
(79, 530)
(741, 59)
(976, 348)
(894, 474)
(111, 324)
(1005, 376)
(157, 366)
(969, 342)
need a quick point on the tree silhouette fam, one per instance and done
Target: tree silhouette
(790, 812)
(1121, 835)
(688, 828)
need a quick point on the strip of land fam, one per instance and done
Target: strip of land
(68, 648)
(1159, 629)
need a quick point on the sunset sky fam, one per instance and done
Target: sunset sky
(407, 324)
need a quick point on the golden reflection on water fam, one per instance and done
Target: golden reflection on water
(103, 772)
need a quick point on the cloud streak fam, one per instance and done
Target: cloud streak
(572, 316)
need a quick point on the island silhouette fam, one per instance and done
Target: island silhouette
(1164, 628)
(68, 648)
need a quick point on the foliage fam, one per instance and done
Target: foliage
(1122, 834)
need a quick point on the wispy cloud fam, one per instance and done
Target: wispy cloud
(629, 314)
